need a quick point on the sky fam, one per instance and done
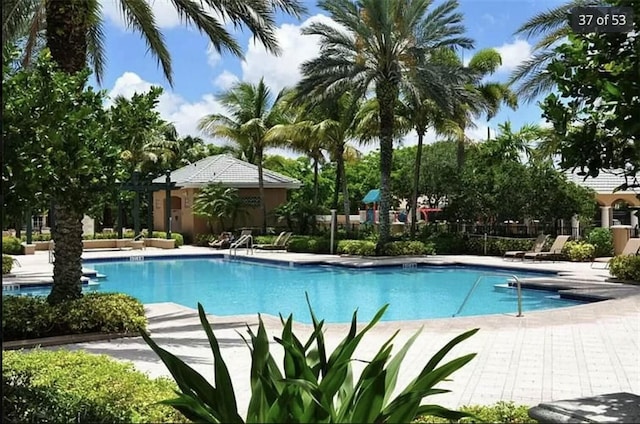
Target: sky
(200, 73)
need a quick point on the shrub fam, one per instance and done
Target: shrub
(7, 264)
(625, 267)
(578, 251)
(26, 317)
(602, 241)
(448, 243)
(356, 247)
(399, 248)
(500, 412)
(203, 239)
(176, 236)
(497, 246)
(309, 244)
(38, 237)
(60, 386)
(11, 245)
(317, 386)
(264, 239)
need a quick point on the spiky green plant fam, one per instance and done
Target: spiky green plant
(316, 387)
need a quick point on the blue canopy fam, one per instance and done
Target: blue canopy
(372, 197)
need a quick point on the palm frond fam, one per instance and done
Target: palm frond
(552, 19)
(95, 41)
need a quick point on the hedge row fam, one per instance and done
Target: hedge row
(500, 412)
(76, 387)
(28, 317)
(105, 236)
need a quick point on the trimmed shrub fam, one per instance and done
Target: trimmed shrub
(448, 243)
(500, 412)
(264, 239)
(497, 246)
(60, 386)
(203, 239)
(578, 251)
(11, 245)
(309, 244)
(27, 317)
(602, 241)
(401, 248)
(38, 237)
(176, 236)
(356, 247)
(625, 267)
(7, 264)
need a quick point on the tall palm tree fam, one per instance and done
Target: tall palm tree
(378, 44)
(73, 30)
(252, 113)
(552, 26)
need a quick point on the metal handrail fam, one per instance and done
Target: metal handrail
(475, 284)
(246, 240)
(52, 246)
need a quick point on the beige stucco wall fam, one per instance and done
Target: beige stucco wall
(191, 225)
(608, 199)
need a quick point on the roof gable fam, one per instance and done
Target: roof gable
(605, 182)
(228, 171)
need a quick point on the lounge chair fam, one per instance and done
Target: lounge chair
(631, 248)
(555, 250)
(280, 243)
(537, 247)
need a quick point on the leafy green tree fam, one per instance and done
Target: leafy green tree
(57, 140)
(220, 204)
(376, 47)
(596, 112)
(74, 34)
(439, 173)
(252, 113)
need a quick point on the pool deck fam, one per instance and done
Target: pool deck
(543, 356)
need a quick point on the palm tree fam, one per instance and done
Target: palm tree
(552, 25)
(253, 111)
(218, 203)
(73, 30)
(378, 45)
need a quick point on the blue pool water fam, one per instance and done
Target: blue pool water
(233, 287)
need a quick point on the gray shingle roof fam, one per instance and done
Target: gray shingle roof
(605, 182)
(228, 171)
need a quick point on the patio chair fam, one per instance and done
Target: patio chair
(280, 243)
(555, 250)
(537, 247)
(631, 248)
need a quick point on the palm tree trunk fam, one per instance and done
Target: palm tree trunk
(416, 183)
(67, 24)
(67, 267)
(345, 197)
(315, 183)
(387, 93)
(263, 204)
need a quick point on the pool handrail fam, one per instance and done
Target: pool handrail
(475, 284)
(246, 240)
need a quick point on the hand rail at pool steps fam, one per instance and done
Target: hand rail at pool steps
(475, 284)
(246, 240)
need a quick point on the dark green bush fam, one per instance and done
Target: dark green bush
(497, 246)
(625, 267)
(500, 412)
(264, 239)
(11, 245)
(356, 247)
(60, 386)
(447, 243)
(401, 248)
(27, 317)
(203, 239)
(38, 237)
(578, 251)
(176, 236)
(602, 241)
(309, 244)
(7, 264)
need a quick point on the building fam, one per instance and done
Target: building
(616, 208)
(225, 170)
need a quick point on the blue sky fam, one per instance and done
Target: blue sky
(200, 73)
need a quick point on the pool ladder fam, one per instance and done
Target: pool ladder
(245, 240)
(519, 289)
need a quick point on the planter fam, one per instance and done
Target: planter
(120, 243)
(41, 245)
(137, 244)
(28, 249)
(160, 243)
(98, 244)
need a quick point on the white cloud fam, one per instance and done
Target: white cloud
(163, 10)
(225, 80)
(543, 123)
(171, 106)
(284, 70)
(513, 54)
(213, 56)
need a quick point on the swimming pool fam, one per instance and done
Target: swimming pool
(227, 287)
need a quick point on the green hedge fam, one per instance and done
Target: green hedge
(7, 264)
(447, 243)
(110, 236)
(578, 251)
(356, 247)
(497, 246)
(602, 241)
(76, 387)
(28, 317)
(500, 412)
(400, 248)
(11, 245)
(309, 244)
(625, 267)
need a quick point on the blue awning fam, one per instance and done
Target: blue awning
(372, 197)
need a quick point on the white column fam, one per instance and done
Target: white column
(605, 216)
(575, 227)
(634, 218)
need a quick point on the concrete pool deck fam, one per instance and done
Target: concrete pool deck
(544, 356)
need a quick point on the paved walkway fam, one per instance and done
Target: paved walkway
(544, 356)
